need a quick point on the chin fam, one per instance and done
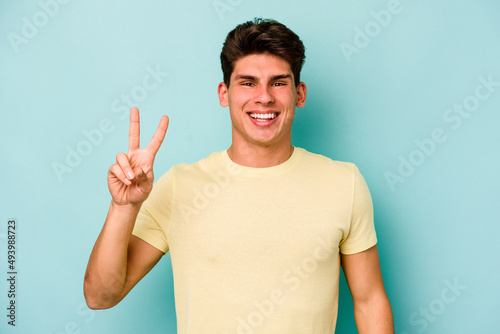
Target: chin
(265, 141)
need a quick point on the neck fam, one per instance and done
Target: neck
(258, 156)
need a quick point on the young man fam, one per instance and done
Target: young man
(256, 233)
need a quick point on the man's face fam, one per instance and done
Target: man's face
(262, 97)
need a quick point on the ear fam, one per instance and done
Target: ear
(222, 92)
(301, 94)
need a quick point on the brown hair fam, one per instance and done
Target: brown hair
(262, 36)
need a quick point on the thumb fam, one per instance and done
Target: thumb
(144, 174)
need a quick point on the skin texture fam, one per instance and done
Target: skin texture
(260, 84)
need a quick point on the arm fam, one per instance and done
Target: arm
(372, 310)
(119, 260)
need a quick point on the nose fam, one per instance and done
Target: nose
(263, 95)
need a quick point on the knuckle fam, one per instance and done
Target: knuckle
(115, 169)
(122, 159)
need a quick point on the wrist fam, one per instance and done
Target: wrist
(125, 209)
(121, 219)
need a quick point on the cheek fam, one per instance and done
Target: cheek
(235, 99)
(287, 98)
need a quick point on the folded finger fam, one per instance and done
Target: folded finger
(118, 172)
(122, 161)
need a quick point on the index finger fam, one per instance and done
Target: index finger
(155, 143)
(134, 131)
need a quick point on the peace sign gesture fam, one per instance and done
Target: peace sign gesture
(130, 179)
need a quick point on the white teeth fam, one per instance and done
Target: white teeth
(263, 116)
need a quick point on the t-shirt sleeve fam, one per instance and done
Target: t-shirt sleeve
(361, 235)
(153, 220)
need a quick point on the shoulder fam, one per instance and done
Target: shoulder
(213, 161)
(192, 171)
(321, 163)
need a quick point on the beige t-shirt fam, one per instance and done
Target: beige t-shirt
(257, 250)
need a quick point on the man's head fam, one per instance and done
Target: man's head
(262, 37)
(261, 61)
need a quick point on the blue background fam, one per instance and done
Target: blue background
(369, 106)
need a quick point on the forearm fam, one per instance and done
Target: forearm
(374, 316)
(106, 272)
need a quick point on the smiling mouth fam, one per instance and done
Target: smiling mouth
(263, 117)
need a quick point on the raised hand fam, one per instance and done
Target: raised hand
(130, 179)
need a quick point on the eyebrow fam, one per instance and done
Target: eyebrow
(281, 76)
(273, 78)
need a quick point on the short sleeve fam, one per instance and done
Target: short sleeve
(361, 234)
(153, 220)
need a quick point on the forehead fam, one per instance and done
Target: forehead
(261, 65)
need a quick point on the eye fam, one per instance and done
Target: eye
(248, 84)
(279, 84)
